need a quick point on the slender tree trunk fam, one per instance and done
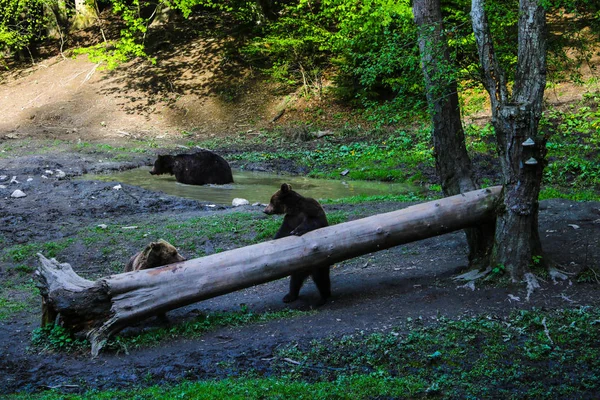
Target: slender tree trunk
(452, 161)
(85, 15)
(515, 119)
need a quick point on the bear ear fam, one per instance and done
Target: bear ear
(286, 187)
(154, 245)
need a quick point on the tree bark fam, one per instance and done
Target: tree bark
(104, 307)
(452, 161)
(85, 15)
(515, 119)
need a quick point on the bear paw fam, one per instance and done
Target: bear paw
(288, 298)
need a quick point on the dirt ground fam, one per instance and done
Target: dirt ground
(71, 100)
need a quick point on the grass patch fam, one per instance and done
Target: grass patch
(396, 157)
(56, 338)
(16, 297)
(550, 192)
(530, 354)
(231, 230)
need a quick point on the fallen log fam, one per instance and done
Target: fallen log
(103, 307)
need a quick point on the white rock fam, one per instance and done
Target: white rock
(17, 193)
(102, 226)
(239, 202)
(29, 179)
(118, 187)
(60, 174)
(14, 180)
(2, 186)
(3, 177)
(49, 172)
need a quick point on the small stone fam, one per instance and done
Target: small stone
(3, 177)
(17, 193)
(49, 172)
(14, 180)
(102, 226)
(60, 174)
(2, 186)
(129, 227)
(118, 187)
(345, 172)
(239, 202)
(29, 179)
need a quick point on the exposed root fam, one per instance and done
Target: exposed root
(473, 275)
(532, 284)
(557, 274)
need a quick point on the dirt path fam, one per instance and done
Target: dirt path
(371, 293)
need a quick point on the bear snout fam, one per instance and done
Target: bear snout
(269, 210)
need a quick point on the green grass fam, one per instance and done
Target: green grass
(530, 354)
(56, 338)
(17, 296)
(110, 248)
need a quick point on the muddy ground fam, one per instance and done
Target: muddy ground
(372, 293)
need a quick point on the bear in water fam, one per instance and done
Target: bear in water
(156, 254)
(302, 214)
(200, 168)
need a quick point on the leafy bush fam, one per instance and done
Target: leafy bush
(21, 23)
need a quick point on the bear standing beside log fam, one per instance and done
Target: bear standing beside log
(302, 215)
(200, 168)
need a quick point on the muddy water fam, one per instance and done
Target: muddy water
(253, 186)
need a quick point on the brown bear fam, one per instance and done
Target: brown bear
(302, 214)
(156, 254)
(200, 168)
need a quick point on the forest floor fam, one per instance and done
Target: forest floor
(52, 110)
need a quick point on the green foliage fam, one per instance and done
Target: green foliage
(371, 45)
(55, 337)
(202, 324)
(392, 158)
(471, 357)
(21, 23)
(16, 296)
(572, 147)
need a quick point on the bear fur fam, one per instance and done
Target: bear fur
(302, 214)
(156, 254)
(200, 168)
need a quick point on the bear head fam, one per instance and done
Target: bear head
(277, 203)
(163, 165)
(161, 253)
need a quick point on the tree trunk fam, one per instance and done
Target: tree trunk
(85, 15)
(515, 118)
(452, 161)
(56, 14)
(104, 307)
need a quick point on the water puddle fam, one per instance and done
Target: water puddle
(253, 186)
